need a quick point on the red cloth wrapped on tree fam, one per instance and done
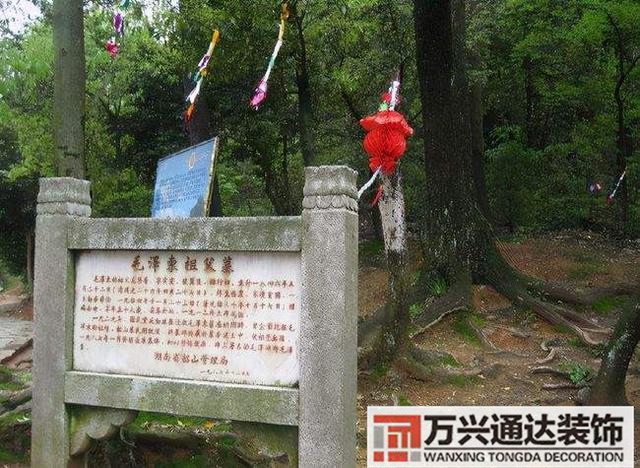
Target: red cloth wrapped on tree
(385, 141)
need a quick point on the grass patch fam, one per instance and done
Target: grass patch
(477, 319)
(7, 456)
(587, 267)
(11, 386)
(579, 374)
(560, 328)
(583, 257)
(146, 419)
(415, 311)
(437, 287)
(415, 277)
(404, 401)
(379, 371)
(14, 418)
(610, 303)
(449, 361)
(463, 328)
(7, 279)
(596, 351)
(463, 381)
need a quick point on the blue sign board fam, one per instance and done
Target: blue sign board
(184, 181)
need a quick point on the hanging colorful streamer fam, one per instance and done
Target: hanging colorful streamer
(385, 142)
(612, 195)
(198, 76)
(260, 92)
(112, 45)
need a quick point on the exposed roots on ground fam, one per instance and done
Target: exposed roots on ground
(457, 297)
(427, 366)
(551, 371)
(560, 292)
(560, 386)
(549, 358)
(582, 296)
(548, 301)
(518, 288)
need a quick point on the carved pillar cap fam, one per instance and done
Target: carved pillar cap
(327, 187)
(64, 195)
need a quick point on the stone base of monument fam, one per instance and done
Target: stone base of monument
(251, 320)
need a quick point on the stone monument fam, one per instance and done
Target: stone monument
(246, 319)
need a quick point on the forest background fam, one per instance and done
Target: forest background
(559, 101)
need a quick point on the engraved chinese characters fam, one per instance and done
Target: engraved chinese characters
(219, 316)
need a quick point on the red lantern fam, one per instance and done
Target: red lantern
(385, 141)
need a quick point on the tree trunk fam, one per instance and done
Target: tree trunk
(30, 257)
(305, 102)
(477, 149)
(277, 181)
(69, 87)
(608, 388)
(199, 130)
(529, 91)
(623, 151)
(451, 213)
(395, 330)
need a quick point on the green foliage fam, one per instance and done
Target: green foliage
(379, 371)
(437, 286)
(404, 401)
(608, 304)
(463, 328)
(415, 311)
(548, 71)
(449, 361)
(596, 351)
(579, 374)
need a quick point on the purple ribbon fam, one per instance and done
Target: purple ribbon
(118, 23)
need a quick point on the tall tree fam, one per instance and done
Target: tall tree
(69, 87)
(622, 37)
(608, 388)
(460, 245)
(451, 214)
(305, 101)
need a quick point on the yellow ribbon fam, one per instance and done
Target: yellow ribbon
(284, 16)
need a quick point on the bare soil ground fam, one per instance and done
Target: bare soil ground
(571, 257)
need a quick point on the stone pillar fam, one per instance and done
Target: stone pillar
(59, 200)
(328, 334)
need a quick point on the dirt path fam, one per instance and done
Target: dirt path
(574, 258)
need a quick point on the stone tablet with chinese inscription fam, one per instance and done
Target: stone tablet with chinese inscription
(217, 316)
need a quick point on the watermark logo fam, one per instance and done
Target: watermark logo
(500, 437)
(396, 437)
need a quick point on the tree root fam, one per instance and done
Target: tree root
(515, 286)
(457, 297)
(560, 292)
(561, 386)
(550, 370)
(424, 366)
(583, 296)
(550, 357)
(482, 336)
